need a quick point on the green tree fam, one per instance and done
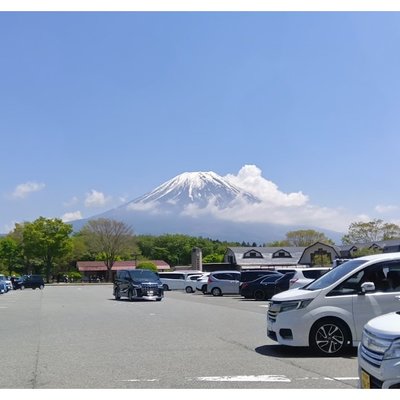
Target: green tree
(109, 238)
(10, 254)
(372, 231)
(147, 265)
(306, 237)
(213, 258)
(48, 240)
(278, 243)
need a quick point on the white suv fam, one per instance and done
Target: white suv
(379, 353)
(306, 275)
(330, 313)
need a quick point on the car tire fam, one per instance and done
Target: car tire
(259, 295)
(165, 287)
(117, 294)
(329, 337)
(189, 289)
(204, 289)
(41, 287)
(130, 295)
(22, 287)
(216, 291)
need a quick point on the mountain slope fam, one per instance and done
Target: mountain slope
(197, 204)
(197, 188)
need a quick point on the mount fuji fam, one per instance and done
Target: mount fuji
(193, 203)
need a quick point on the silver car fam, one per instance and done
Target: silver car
(223, 282)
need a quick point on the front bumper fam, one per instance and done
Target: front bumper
(386, 376)
(289, 328)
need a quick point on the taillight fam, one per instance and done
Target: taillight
(293, 281)
(244, 285)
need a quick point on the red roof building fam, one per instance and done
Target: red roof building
(99, 269)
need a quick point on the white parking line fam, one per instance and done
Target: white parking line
(245, 378)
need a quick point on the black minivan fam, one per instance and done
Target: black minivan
(137, 284)
(29, 281)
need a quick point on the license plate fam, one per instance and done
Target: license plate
(150, 293)
(365, 380)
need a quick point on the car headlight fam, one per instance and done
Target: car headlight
(393, 351)
(295, 305)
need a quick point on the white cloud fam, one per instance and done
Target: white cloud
(383, 209)
(96, 199)
(71, 216)
(24, 189)
(250, 179)
(275, 207)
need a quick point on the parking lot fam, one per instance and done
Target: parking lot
(67, 337)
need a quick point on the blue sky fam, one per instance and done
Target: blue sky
(99, 108)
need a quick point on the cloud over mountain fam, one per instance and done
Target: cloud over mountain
(237, 207)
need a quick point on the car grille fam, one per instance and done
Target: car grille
(149, 287)
(373, 348)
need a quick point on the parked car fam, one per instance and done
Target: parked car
(191, 282)
(251, 275)
(305, 276)
(3, 287)
(223, 282)
(279, 285)
(201, 282)
(137, 284)
(176, 280)
(330, 313)
(255, 289)
(7, 282)
(29, 281)
(379, 353)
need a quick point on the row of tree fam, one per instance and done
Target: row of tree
(49, 247)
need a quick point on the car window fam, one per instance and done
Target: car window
(335, 274)
(313, 274)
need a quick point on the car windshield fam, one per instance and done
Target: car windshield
(143, 275)
(334, 275)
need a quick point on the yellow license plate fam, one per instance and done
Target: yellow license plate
(365, 380)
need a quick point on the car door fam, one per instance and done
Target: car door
(233, 283)
(385, 298)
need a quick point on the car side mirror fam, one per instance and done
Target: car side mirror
(367, 287)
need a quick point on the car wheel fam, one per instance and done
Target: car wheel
(117, 294)
(130, 295)
(165, 287)
(329, 337)
(41, 287)
(259, 295)
(204, 289)
(189, 289)
(22, 287)
(216, 292)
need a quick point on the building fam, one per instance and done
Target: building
(97, 270)
(270, 257)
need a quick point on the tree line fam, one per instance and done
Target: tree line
(49, 246)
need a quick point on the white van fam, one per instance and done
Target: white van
(379, 353)
(330, 313)
(177, 280)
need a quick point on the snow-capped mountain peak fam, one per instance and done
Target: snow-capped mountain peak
(195, 188)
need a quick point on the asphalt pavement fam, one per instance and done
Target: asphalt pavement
(79, 337)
